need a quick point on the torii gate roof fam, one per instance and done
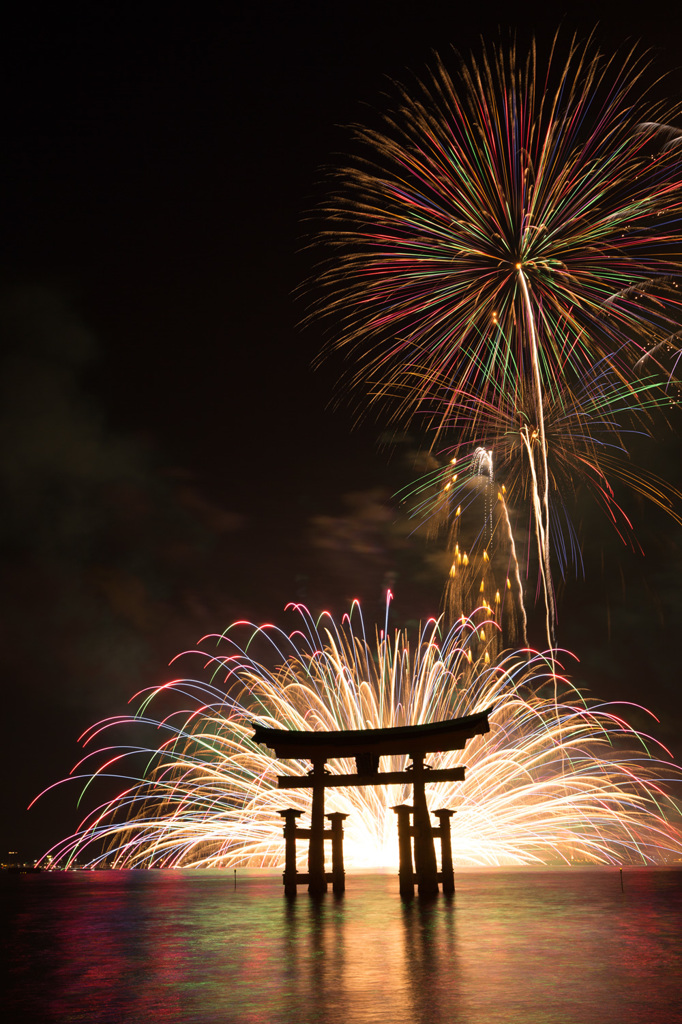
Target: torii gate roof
(405, 739)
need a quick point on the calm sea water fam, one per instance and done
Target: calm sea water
(562, 946)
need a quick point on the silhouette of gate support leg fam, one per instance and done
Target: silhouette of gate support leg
(336, 835)
(406, 867)
(290, 874)
(317, 882)
(443, 832)
(424, 850)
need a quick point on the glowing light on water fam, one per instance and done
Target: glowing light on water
(567, 779)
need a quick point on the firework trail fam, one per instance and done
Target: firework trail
(505, 230)
(567, 780)
(517, 574)
(476, 562)
(540, 474)
(483, 465)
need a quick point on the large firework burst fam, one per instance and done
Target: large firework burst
(507, 229)
(564, 779)
(509, 224)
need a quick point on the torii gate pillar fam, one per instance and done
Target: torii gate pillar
(405, 866)
(290, 832)
(424, 852)
(443, 833)
(317, 882)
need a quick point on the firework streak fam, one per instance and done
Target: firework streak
(563, 779)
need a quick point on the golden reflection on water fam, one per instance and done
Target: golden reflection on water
(557, 947)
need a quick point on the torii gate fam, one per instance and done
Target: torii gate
(367, 746)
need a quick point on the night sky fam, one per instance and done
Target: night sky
(170, 461)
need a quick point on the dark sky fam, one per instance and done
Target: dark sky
(170, 462)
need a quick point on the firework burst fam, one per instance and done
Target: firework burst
(507, 230)
(508, 226)
(564, 779)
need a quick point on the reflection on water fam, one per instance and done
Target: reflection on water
(169, 946)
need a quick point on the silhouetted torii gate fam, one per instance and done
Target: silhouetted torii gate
(367, 746)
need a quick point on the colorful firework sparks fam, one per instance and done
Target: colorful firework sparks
(507, 231)
(566, 779)
(506, 228)
(586, 436)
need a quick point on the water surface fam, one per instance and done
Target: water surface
(554, 946)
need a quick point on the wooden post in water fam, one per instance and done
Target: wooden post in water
(406, 867)
(338, 871)
(424, 851)
(289, 876)
(443, 832)
(317, 882)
